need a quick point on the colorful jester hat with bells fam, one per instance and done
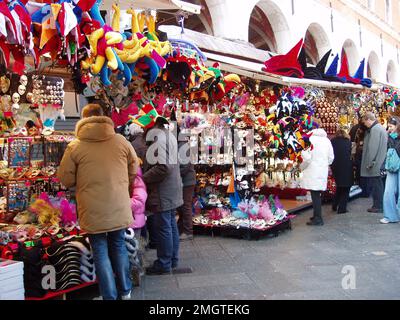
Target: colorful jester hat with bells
(392, 99)
(222, 84)
(129, 53)
(289, 135)
(147, 117)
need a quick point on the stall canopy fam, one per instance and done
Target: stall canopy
(154, 4)
(207, 43)
(243, 59)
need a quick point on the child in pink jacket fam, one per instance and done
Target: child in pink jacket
(138, 201)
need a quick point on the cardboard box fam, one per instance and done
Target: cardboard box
(10, 269)
(11, 284)
(13, 295)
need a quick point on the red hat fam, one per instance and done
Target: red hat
(345, 73)
(286, 65)
(7, 14)
(5, 50)
(24, 16)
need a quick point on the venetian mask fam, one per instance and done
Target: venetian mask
(23, 80)
(29, 97)
(4, 84)
(15, 97)
(21, 89)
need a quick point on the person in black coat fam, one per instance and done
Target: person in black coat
(342, 169)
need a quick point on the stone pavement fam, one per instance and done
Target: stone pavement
(305, 263)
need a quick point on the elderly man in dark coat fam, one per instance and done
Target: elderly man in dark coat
(373, 158)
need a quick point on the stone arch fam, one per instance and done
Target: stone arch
(353, 57)
(373, 66)
(198, 22)
(316, 43)
(391, 73)
(269, 26)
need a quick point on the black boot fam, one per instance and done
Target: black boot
(315, 222)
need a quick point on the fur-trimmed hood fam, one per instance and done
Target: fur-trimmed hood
(319, 133)
(94, 129)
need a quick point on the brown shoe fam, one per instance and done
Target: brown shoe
(185, 237)
(374, 210)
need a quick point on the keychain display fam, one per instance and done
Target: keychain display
(17, 196)
(19, 152)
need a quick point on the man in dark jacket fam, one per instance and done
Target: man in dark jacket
(373, 158)
(188, 175)
(164, 188)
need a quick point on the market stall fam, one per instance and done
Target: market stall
(247, 127)
(38, 40)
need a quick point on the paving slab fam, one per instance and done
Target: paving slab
(304, 263)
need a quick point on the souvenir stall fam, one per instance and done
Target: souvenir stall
(38, 223)
(223, 115)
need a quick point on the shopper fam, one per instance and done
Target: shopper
(354, 129)
(188, 175)
(138, 202)
(315, 167)
(136, 137)
(164, 188)
(102, 165)
(342, 170)
(391, 198)
(357, 158)
(373, 158)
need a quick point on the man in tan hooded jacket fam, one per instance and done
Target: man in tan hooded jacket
(102, 165)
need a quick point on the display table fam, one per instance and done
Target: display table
(294, 206)
(63, 293)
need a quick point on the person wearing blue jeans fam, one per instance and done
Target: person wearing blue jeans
(168, 237)
(102, 165)
(391, 203)
(111, 257)
(391, 197)
(161, 173)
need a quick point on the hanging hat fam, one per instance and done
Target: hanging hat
(5, 53)
(321, 66)
(331, 73)
(5, 11)
(147, 117)
(286, 65)
(344, 68)
(86, 5)
(309, 72)
(360, 75)
(24, 17)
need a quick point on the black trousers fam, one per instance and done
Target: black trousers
(341, 199)
(185, 222)
(317, 204)
(377, 187)
(151, 229)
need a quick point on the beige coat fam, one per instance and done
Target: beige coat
(102, 165)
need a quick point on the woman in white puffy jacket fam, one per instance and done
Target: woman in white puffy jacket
(315, 168)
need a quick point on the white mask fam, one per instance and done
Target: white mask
(15, 97)
(21, 89)
(23, 80)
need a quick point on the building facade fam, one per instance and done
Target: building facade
(367, 29)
